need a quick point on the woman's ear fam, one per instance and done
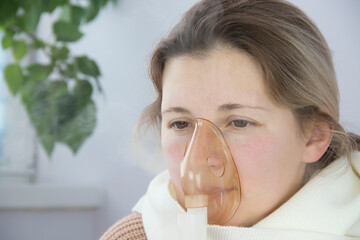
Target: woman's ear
(317, 142)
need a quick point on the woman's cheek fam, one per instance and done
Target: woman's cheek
(252, 155)
(173, 152)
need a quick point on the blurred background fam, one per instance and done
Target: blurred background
(68, 196)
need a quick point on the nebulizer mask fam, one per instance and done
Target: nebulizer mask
(209, 180)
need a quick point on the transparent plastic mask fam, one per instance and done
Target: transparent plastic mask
(209, 177)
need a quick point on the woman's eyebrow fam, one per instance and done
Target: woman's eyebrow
(222, 108)
(234, 106)
(176, 110)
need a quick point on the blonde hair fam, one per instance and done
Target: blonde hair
(294, 56)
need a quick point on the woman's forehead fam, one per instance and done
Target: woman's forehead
(223, 76)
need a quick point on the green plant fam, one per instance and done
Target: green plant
(57, 94)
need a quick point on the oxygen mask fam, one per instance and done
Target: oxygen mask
(209, 177)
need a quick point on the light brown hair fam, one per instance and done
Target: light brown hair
(294, 56)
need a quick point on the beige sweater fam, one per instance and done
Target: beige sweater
(129, 228)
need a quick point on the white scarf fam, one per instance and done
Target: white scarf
(327, 207)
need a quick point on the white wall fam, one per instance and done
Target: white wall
(121, 40)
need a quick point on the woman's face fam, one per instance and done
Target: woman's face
(226, 87)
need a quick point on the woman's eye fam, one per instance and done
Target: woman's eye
(240, 123)
(180, 125)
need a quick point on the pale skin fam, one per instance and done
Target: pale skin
(227, 87)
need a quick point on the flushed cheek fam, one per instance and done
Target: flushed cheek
(173, 148)
(266, 169)
(173, 152)
(256, 159)
(259, 176)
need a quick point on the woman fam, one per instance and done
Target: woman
(262, 73)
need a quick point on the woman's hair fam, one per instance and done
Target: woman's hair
(294, 57)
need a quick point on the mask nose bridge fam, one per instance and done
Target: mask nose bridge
(205, 151)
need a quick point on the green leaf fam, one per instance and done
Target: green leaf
(76, 131)
(13, 77)
(82, 92)
(65, 14)
(71, 71)
(48, 142)
(59, 53)
(11, 31)
(65, 108)
(104, 2)
(43, 101)
(20, 22)
(32, 17)
(77, 14)
(45, 114)
(8, 9)
(93, 9)
(35, 96)
(87, 66)
(57, 89)
(66, 32)
(51, 5)
(72, 14)
(39, 72)
(7, 41)
(26, 5)
(37, 44)
(19, 49)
